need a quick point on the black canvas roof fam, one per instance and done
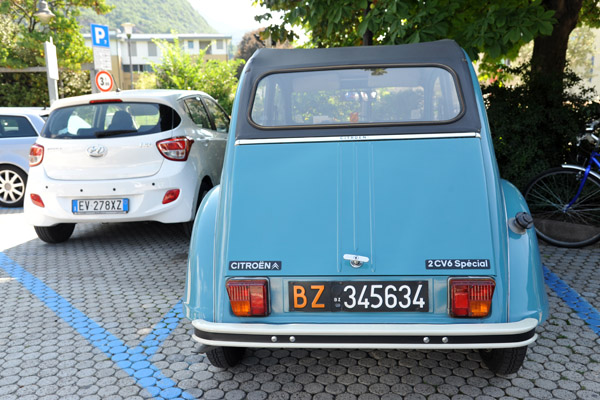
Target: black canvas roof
(443, 52)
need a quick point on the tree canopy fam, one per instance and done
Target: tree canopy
(495, 29)
(24, 36)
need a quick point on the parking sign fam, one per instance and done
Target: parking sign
(100, 35)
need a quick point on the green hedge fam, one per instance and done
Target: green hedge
(535, 124)
(31, 89)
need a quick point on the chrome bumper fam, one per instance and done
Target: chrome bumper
(367, 336)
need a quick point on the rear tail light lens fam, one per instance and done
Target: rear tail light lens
(248, 297)
(171, 196)
(175, 149)
(471, 297)
(36, 155)
(37, 200)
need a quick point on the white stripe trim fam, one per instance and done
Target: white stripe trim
(356, 138)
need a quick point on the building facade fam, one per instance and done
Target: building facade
(144, 51)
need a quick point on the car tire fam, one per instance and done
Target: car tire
(504, 361)
(225, 357)
(55, 234)
(187, 227)
(12, 186)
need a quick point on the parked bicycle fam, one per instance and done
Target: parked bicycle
(565, 201)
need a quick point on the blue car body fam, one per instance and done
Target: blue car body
(363, 199)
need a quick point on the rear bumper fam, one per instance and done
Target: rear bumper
(367, 336)
(145, 197)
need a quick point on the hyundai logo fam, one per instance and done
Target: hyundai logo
(96, 151)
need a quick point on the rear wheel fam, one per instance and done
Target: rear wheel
(225, 357)
(504, 361)
(55, 234)
(12, 186)
(547, 196)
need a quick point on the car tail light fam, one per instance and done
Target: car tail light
(36, 155)
(471, 297)
(171, 196)
(37, 200)
(175, 149)
(248, 297)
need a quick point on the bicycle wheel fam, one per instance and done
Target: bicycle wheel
(548, 194)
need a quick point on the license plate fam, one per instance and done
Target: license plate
(361, 296)
(100, 206)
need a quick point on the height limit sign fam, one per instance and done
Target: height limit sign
(104, 81)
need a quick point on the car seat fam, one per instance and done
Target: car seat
(121, 121)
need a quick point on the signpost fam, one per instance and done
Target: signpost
(104, 81)
(102, 58)
(51, 70)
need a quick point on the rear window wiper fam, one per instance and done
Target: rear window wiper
(115, 132)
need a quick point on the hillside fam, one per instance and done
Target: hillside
(149, 16)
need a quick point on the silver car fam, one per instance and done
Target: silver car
(19, 129)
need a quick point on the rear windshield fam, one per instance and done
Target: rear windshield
(390, 95)
(110, 120)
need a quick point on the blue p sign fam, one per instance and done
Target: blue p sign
(100, 35)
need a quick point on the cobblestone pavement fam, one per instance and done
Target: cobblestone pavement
(98, 317)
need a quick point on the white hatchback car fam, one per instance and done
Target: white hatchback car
(140, 155)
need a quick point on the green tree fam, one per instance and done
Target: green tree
(550, 51)
(180, 70)
(494, 29)
(23, 36)
(26, 35)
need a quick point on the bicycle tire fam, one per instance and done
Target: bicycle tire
(548, 193)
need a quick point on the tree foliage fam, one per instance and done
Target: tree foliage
(26, 35)
(180, 70)
(251, 41)
(496, 29)
(535, 124)
(23, 36)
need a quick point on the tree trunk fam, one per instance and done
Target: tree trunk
(368, 35)
(550, 52)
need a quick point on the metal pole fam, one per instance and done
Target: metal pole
(130, 63)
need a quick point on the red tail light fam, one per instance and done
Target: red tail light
(248, 297)
(471, 297)
(37, 200)
(171, 196)
(36, 155)
(175, 149)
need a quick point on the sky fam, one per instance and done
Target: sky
(230, 17)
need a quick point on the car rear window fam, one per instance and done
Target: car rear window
(386, 95)
(113, 119)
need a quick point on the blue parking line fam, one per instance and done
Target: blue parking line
(584, 310)
(135, 361)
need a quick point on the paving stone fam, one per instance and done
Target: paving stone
(563, 364)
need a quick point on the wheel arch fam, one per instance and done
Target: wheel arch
(197, 299)
(15, 165)
(524, 264)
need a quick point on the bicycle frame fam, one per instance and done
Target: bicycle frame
(586, 172)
